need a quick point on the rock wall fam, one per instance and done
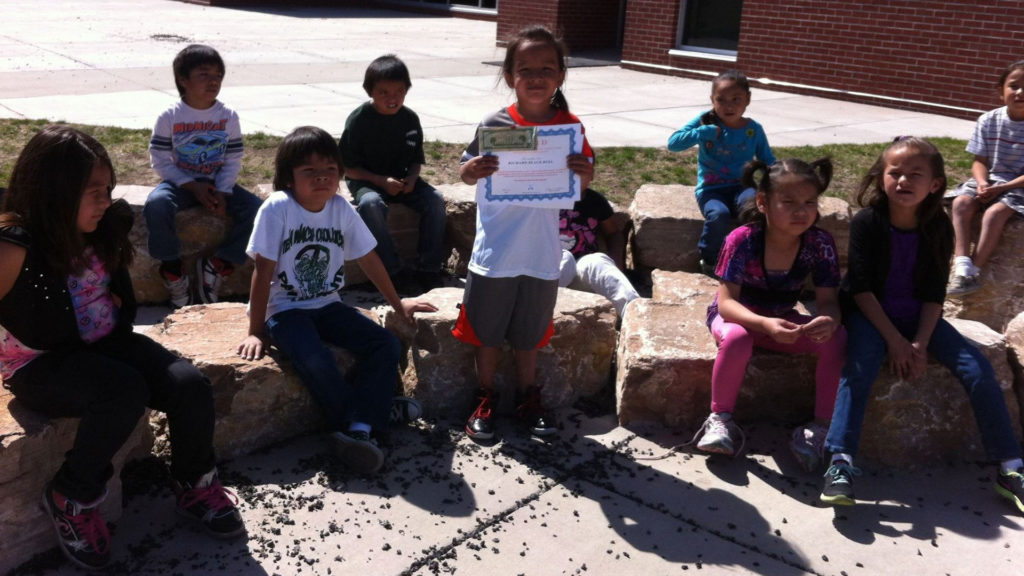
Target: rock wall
(667, 224)
(258, 402)
(200, 232)
(440, 371)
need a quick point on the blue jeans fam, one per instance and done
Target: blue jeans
(719, 206)
(372, 206)
(865, 352)
(164, 202)
(365, 394)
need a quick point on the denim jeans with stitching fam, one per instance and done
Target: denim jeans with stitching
(365, 393)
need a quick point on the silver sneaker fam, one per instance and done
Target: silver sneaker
(717, 437)
(808, 445)
(179, 290)
(963, 285)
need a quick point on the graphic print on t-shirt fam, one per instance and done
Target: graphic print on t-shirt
(310, 275)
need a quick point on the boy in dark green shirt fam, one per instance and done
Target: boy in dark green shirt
(382, 148)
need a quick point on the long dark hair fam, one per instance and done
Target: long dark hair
(45, 192)
(538, 34)
(764, 178)
(933, 225)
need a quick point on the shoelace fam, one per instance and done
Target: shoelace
(90, 526)
(484, 409)
(841, 472)
(215, 497)
(708, 422)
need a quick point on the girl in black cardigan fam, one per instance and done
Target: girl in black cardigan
(900, 247)
(67, 348)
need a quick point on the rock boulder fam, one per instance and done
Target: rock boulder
(1001, 296)
(200, 231)
(929, 421)
(440, 371)
(258, 402)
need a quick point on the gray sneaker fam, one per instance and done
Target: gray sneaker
(717, 437)
(963, 285)
(357, 451)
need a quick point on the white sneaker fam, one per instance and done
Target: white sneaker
(717, 437)
(179, 290)
(962, 285)
(208, 281)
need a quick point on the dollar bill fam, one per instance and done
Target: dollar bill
(496, 139)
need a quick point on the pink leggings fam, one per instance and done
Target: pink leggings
(736, 345)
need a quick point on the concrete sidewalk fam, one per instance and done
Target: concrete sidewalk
(583, 503)
(109, 62)
(580, 504)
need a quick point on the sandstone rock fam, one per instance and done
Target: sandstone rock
(460, 228)
(404, 224)
(667, 225)
(32, 448)
(834, 216)
(200, 232)
(665, 358)
(929, 421)
(258, 402)
(441, 373)
(1001, 297)
(1015, 356)
(683, 287)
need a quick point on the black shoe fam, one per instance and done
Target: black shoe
(210, 504)
(1011, 487)
(404, 410)
(838, 489)
(81, 531)
(531, 411)
(358, 451)
(480, 425)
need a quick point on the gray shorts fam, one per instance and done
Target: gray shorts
(1013, 198)
(517, 309)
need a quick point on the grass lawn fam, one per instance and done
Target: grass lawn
(620, 170)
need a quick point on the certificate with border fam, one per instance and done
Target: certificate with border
(536, 178)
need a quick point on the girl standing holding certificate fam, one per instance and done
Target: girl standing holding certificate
(513, 271)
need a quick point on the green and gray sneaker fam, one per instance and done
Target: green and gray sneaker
(1011, 487)
(838, 489)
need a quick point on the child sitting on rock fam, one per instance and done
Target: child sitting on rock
(763, 268)
(382, 148)
(583, 266)
(67, 348)
(302, 236)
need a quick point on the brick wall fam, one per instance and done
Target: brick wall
(929, 54)
(583, 24)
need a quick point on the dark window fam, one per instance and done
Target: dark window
(713, 24)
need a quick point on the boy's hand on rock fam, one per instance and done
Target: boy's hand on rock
(252, 348)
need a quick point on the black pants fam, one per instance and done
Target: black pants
(109, 384)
